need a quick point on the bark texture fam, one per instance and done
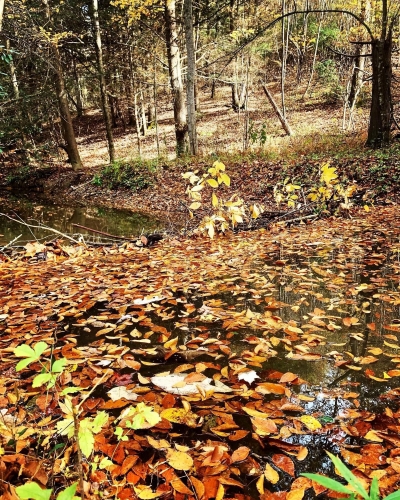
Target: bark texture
(175, 73)
(191, 77)
(102, 80)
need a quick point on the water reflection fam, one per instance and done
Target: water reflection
(63, 218)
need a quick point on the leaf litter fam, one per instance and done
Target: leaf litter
(205, 369)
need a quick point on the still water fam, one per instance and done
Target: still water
(64, 218)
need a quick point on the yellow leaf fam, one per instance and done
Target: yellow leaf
(328, 174)
(171, 344)
(372, 436)
(226, 179)
(180, 416)
(179, 460)
(213, 183)
(270, 474)
(146, 493)
(218, 165)
(310, 422)
(366, 208)
(214, 200)
(260, 484)
(295, 494)
(220, 492)
(195, 205)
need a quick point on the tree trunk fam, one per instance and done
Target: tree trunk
(65, 115)
(381, 101)
(282, 119)
(359, 62)
(191, 76)
(78, 93)
(130, 89)
(102, 80)
(175, 73)
(67, 129)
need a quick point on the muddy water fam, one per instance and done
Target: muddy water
(63, 218)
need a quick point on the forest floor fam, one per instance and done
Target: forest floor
(318, 138)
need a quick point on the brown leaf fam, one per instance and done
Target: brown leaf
(284, 463)
(240, 454)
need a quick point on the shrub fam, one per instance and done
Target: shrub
(134, 174)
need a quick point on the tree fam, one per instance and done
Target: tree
(191, 76)
(65, 115)
(102, 80)
(175, 73)
(381, 45)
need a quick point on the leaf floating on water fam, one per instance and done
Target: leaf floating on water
(122, 392)
(175, 383)
(240, 454)
(310, 422)
(248, 376)
(271, 474)
(180, 416)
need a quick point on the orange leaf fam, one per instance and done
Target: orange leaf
(180, 487)
(240, 454)
(284, 463)
(198, 486)
(288, 377)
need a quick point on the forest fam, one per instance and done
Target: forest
(199, 249)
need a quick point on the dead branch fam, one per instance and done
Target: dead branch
(46, 228)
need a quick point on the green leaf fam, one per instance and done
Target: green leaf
(42, 379)
(393, 496)
(32, 490)
(68, 493)
(58, 365)
(374, 489)
(85, 437)
(24, 351)
(24, 363)
(328, 483)
(70, 390)
(100, 420)
(348, 476)
(39, 348)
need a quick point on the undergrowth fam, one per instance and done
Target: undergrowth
(135, 175)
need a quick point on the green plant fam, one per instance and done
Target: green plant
(33, 491)
(258, 135)
(51, 370)
(135, 175)
(97, 180)
(19, 175)
(354, 487)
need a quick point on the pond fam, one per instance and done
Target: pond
(68, 220)
(327, 311)
(311, 314)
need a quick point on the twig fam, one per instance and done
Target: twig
(10, 243)
(46, 228)
(313, 216)
(102, 232)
